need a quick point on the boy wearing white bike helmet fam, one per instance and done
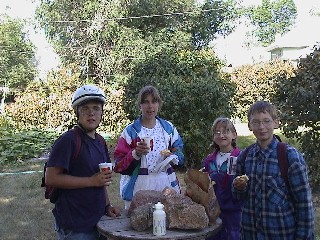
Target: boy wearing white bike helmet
(83, 197)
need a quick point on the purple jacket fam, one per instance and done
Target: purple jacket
(223, 182)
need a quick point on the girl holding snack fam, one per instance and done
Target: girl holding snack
(220, 165)
(146, 150)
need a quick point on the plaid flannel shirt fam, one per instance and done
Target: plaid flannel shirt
(271, 209)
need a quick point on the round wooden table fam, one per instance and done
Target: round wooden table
(120, 228)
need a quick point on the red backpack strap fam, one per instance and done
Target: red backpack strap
(77, 138)
(283, 160)
(76, 130)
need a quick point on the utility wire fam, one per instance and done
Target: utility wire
(137, 17)
(111, 19)
(132, 17)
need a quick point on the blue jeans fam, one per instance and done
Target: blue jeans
(230, 226)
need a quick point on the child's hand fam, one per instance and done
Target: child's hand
(241, 182)
(100, 179)
(112, 211)
(142, 148)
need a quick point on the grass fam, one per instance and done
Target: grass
(25, 214)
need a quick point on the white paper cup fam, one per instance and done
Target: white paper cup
(232, 166)
(105, 167)
(148, 141)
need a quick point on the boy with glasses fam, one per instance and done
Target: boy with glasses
(272, 208)
(83, 197)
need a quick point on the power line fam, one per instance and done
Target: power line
(133, 17)
(138, 17)
(113, 19)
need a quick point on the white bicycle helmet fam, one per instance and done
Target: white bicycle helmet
(86, 93)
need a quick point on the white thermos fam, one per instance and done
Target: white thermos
(159, 220)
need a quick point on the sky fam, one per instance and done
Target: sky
(24, 9)
(232, 48)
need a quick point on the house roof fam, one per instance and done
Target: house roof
(285, 46)
(303, 36)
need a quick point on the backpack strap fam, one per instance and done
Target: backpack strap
(283, 161)
(76, 132)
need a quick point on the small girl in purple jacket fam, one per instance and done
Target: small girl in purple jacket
(220, 165)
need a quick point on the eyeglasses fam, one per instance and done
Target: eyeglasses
(88, 111)
(224, 132)
(266, 123)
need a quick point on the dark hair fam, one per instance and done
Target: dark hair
(145, 92)
(227, 124)
(263, 107)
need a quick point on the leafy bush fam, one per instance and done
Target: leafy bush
(257, 82)
(47, 105)
(17, 146)
(194, 92)
(6, 125)
(115, 118)
(299, 100)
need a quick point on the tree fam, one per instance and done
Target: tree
(123, 44)
(215, 18)
(271, 18)
(17, 56)
(194, 91)
(46, 104)
(299, 101)
(108, 38)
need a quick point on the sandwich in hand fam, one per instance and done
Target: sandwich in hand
(165, 152)
(243, 178)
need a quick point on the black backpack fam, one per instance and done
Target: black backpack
(52, 193)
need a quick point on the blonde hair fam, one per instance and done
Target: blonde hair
(227, 124)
